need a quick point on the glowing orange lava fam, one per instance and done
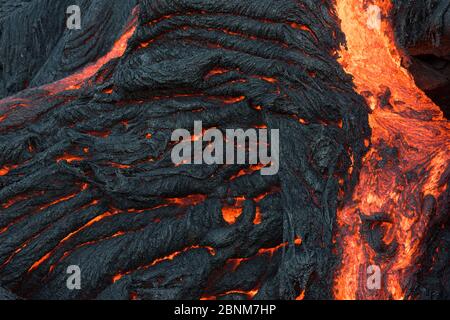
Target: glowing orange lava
(406, 122)
(76, 80)
(69, 158)
(231, 213)
(5, 170)
(169, 257)
(102, 216)
(301, 296)
(250, 294)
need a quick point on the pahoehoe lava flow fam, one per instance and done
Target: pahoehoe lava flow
(87, 179)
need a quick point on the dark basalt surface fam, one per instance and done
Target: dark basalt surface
(423, 29)
(36, 48)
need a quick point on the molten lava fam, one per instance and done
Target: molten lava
(76, 80)
(407, 158)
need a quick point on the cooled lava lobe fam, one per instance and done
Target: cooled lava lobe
(36, 48)
(423, 30)
(86, 174)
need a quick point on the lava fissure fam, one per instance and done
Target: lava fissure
(87, 177)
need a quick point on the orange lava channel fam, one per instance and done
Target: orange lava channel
(409, 122)
(75, 81)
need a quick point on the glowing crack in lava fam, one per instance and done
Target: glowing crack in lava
(403, 169)
(75, 81)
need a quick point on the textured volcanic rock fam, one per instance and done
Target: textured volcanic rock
(36, 47)
(87, 177)
(423, 29)
(6, 295)
(433, 279)
(421, 23)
